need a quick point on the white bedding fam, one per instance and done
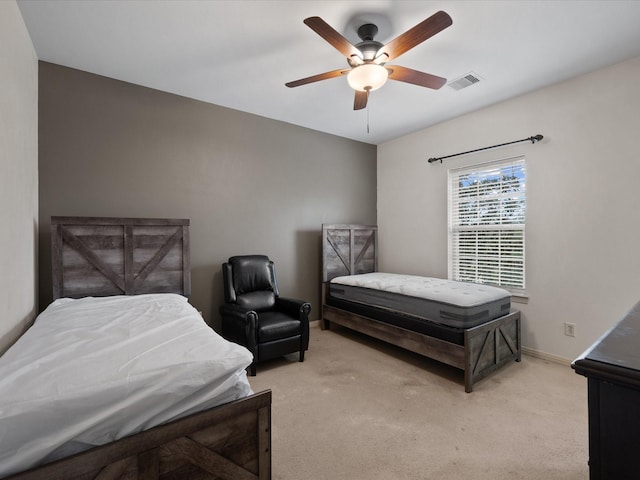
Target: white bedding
(93, 370)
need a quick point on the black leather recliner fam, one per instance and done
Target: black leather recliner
(256, 316)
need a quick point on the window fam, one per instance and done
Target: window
(487, 224)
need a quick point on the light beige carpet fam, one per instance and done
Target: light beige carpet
(361, 409)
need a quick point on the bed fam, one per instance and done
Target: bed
(470, 327)
(120, 377)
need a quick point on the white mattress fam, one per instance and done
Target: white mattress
(93, 370)
(447, 302)
(447, 291)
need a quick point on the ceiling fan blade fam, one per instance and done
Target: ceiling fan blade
(414, 36)
(317, 78)
(327, 32)
(360, 100)
(408, 75)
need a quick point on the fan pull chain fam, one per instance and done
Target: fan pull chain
(367, 112)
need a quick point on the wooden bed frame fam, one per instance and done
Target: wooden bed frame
(350, 250)
(111, 256)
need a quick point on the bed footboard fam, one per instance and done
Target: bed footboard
(490, 346)
(486, 348)
(231, 441)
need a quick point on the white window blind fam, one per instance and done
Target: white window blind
(487, 206)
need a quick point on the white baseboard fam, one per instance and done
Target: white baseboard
(546, 356)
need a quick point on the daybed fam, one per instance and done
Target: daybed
(477, 336)
(120, 377)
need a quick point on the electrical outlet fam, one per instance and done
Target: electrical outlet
(570, 329)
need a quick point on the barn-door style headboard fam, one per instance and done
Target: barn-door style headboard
(94, 256)
(348, 250)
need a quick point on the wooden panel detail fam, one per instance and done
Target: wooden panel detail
(486, 348)
(431, 347)
(232, 441)
(348, 250)
(490, 346)
(115, 256)
(117, 470)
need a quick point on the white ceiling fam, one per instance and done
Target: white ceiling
(240, 53)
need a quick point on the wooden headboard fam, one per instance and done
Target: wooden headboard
(94, 256)
(348, 250)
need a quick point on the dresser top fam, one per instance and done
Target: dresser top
(616, 355)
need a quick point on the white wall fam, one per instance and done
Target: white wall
(583, 200)
(18, 174)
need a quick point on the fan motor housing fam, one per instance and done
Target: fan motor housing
(369, 47)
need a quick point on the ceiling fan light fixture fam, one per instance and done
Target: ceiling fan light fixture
(367, 77)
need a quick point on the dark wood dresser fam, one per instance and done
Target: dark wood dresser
(612, 367)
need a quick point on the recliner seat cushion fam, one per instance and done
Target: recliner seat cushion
(276, 325)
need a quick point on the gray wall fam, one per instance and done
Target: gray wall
(18, 175)
(248, 184)
(582, 254)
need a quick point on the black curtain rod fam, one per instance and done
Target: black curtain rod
(534, 139)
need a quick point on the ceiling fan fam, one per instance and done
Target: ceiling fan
(368, 58)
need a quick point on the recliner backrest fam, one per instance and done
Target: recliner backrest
(250, 282)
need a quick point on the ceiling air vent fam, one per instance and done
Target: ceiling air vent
(464, 81)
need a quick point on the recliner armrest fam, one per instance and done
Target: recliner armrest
(236, 311)
(294, 307)
(297, 309)
(240, 325)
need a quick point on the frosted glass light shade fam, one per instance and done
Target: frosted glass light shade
(367, 77)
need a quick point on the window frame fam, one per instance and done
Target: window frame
(506, 261)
